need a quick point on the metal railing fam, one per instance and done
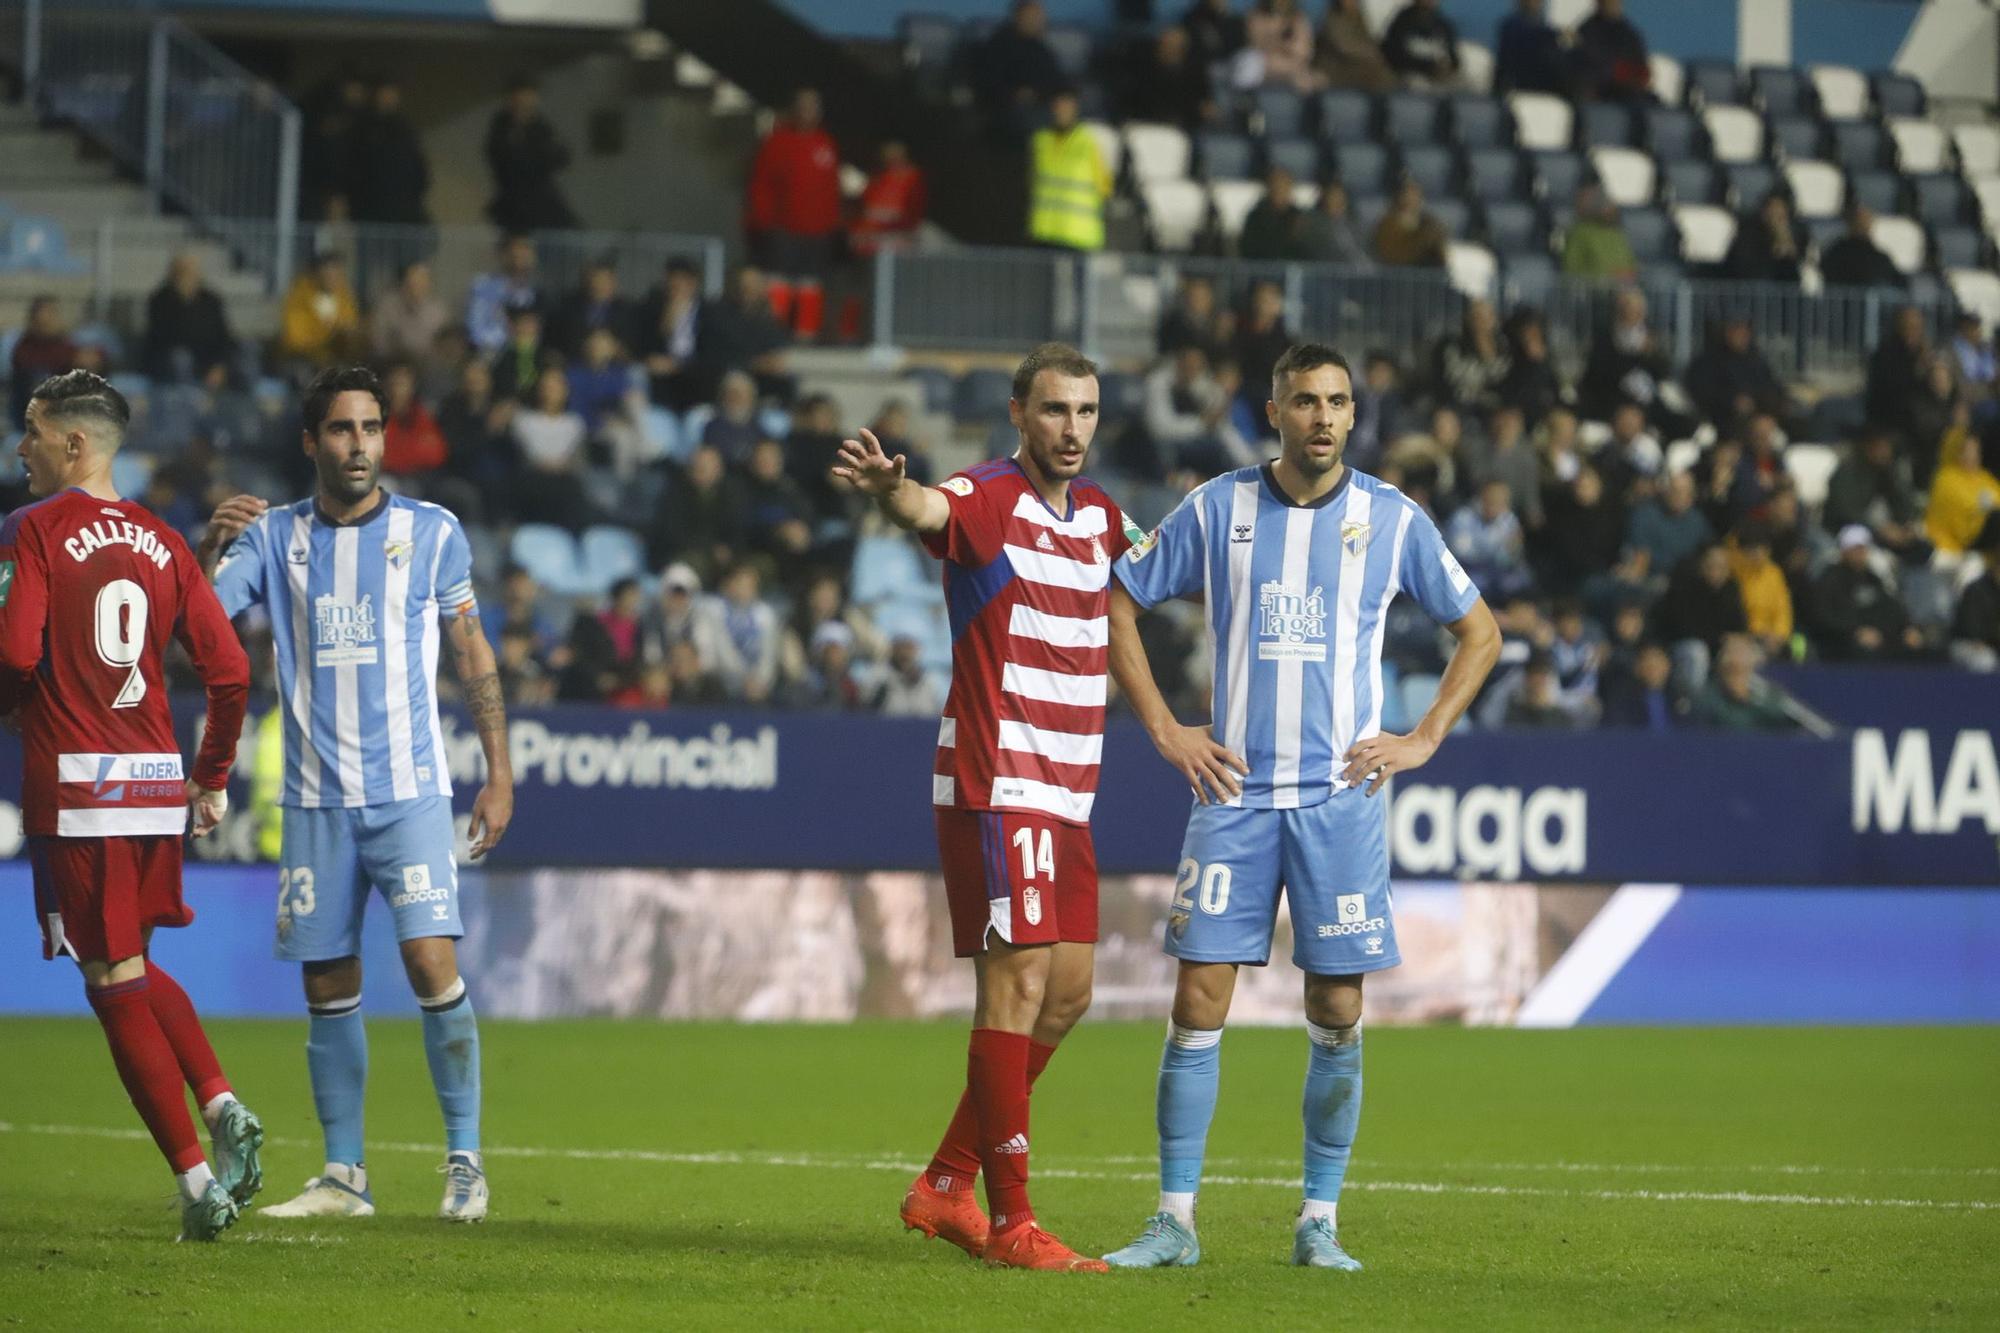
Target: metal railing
(207, 136)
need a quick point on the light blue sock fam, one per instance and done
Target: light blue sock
(337, 1058)
(451, 1044)
(1332, 1108)
(1190, 1073)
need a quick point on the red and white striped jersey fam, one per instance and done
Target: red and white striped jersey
(1027, 589)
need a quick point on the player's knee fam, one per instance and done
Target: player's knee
(431, 964)
(1333, 1002)
(332, 981)
(1064, 1009)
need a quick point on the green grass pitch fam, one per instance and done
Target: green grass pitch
(649, 1175)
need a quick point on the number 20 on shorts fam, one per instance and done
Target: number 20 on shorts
(1214, 883)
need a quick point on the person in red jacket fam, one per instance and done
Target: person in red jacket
(892, 208)
(412, 442)
(793, 212)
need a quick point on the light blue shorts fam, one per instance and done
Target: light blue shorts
(331, 858)
(1331, 862)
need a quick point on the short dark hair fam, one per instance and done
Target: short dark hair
(1301, 357)
(332, 382)
(83, 396)
(1059, 357)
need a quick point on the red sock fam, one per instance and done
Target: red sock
(146, 1066)
(957, 1159)
(997, 1079)
(809, 310)
(182, 1027)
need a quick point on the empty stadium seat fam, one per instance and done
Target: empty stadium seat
(1474, 120)
(1159, 152)
(1823, 231)
(1177, 211)
(1672, 133)
(1939, 198)
(1818, 189)
(1512, 226)
(1713, 83)
(607, 554)
(1120, 396)
(1528, 278)
(1281, 112)
(1706, 232)
(1669, 79)
(1541, 121)
(1607, 124)
(982, 395)
(1793, 136)
(1346, 115)
(1626, 174)
(1472, 269)
(1556, 175)
(1299, 156)
(1221, 156)
(1902, 239)
(37, 245)
(1109, 143)
(1858, 145)
(1410, 118)
(1920, 144)
(1650, 232)
(1896, 94)
(1475, 66)
(1454, 215)
(1811, 466)
(1842, 91)
(1735, 131)
(1977, 289)
(1957, 247)
(1978, 149)
(1781, 90)
(1363, 167)
(1878, 190)
(1693, 183)
(1986, 189)
(549, 553)
(1232, 201)
(886, 569)
(1432, 166)
(1748, 182)
(1492, 173)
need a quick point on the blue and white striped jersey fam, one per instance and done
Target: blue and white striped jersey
(1296, 598)
(354, 612)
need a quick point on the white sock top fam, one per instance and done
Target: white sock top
(1328, 1209)
(1192, 1039)
(1178, 1206)
(1334, 1037)
(194, 1181)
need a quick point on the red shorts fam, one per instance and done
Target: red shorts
(97, 897)
(1024, 877)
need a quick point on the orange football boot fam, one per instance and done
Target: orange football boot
(953, 1215)
(1028, 1246)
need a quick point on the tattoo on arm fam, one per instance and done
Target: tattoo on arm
(478, 676)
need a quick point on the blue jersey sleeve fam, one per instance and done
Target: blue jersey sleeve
(452, 582)
(239, 579)
(1432, 574)
(1168, 561)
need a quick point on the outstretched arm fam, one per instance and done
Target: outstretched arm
(479, 675)
(1385, 754)
(914, 508)
(1210, 768)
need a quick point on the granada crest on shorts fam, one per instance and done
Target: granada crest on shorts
(1031, 906)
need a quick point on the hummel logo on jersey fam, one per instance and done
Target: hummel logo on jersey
(300, 555)
(1017, 1144)
(1043, 543)
(1242, 532)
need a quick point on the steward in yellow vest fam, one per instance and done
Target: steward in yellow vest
(1068, 182)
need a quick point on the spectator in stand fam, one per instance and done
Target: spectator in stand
(1594, 247)
(1487, 539)
(521, 609)
(519, 364)
(1427, 461)
(1281, 37)
(1196, 320)
(1669, 527)
(1260, 339)
(1611, 56)
(733, 431)
(809, 450)
(1629, 363)
(1978, 371)
(330, 147)
(1872, 487)
(1702, 606)
(549, 439)
(1579, 650)
(1975, 625)
(1769, 245)
(1327, 234)
(1467, 369)
(1218, 34)
(1172, 84)
(702, 520)
(474, 421)
(667, 335)
(525, 681)
(1797, 547)
(1015, 69)
(906, 689)
(406, 321)
(1271, 228)
(1642, 699)
(321, 321)
(1767, 600)
(599, 380)
(187, 329)
(1632, 458)
(1068, 181)
(779, 514)
(525, 155)
(1408, 236)
(652, 687)
(1854, 260)
(1349, 56)
(395, 174)
(1737, 698)
(1503, 454)
(507, 288)
(1857, 617)
(892, 427)
(1936, 409)
(679, 617)
(1583, 534)
(747, 650)
(604, 646)
(1730, 381)
(1378, 409)
(594, 305)
(891, 210)
(792, 213)
(1896, 378)
(831, 680)
(824, 602)
(1537, 703)
(740, 333)
(1559, 456)
(1528, 53)
(1421, 44)
(1532, 385)
(43, 349)
(412, 442)
(1963, 493)
(1186, 422)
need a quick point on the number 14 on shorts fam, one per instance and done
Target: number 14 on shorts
(1037, 853)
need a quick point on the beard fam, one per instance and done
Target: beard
(348, 487)
(1318, 465)
(1049, 461)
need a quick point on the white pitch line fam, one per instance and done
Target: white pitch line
(862, 1162)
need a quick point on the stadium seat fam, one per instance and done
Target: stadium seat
(1822, 231)
(1528, 278)
(1418, 692)
(1475, 67)
(1367, 211)
(1177, 211)
(1692, 183)
(1454, 215)
(1475, 120)
(131, 471)
(1109, 143)
(1986, 189)
(1299, 156)
(1120, 396)
(1977, 289)
(1957, 247)
(1556, 174)
(1978, 149)
(1626, 174)
(934, 387)
(1221, 156)
(1432, 166)
(37, 245)
(1792, 137)
(1472, 269)
(1671, 133)
(1363, 167)
(1713, 83)
(1669, 79)
(1780, 90)
(664, 435)
(1859, 145)
(982, 395)
(1072, 46)
(549, 553)
(608, 554)
(1810, 467)
(1232, 202)
(1735, 131)
(1939, 198)
(1877, 189)
(1842, 91)
(1706, 232)
(1902, 239)
(1748, 182)
(1346, 116)
(1159, 152)
(1410, 118)
(1281, 112)
(886, 569)
(1606, 124)
(1650, 233)
(1492, 173)
(1817, 188)
(1541, 121)
(1920, 144)
(1513, 227)
(1896, 94)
